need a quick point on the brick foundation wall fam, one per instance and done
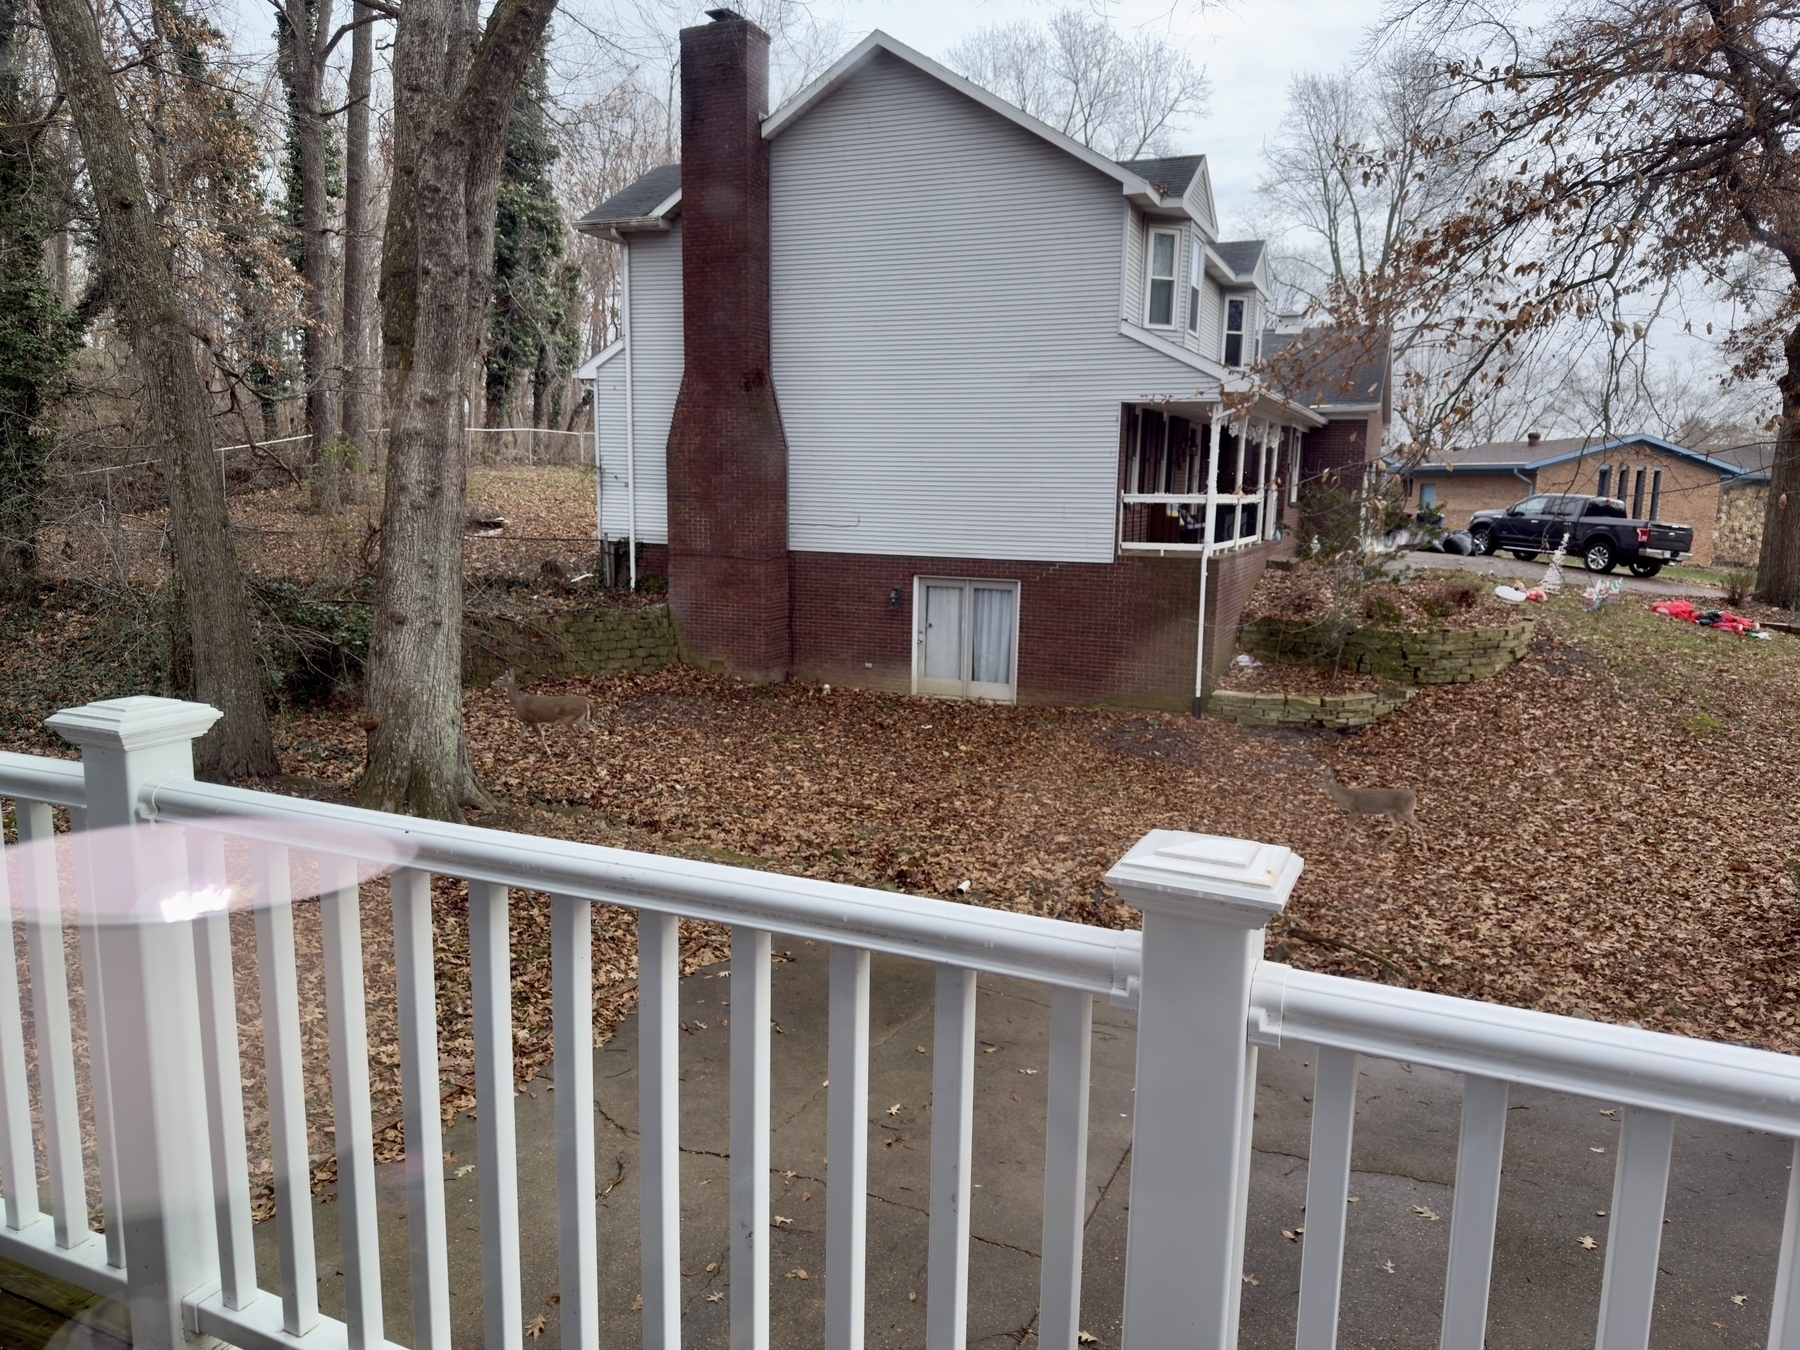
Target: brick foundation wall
(1088, 632)
(1115, 633)
(727, 460)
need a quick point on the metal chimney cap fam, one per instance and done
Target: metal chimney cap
(724, 15)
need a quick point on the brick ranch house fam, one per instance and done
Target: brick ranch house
(1719, 490)
(913, 392)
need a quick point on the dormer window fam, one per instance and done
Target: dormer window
(1162, 279)
(1235, 311)
(1194, 290)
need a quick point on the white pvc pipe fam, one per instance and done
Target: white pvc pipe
(630, 409)
(1206, 552)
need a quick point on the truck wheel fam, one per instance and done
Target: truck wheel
(1645, 567)
(1524, 555)
(1600, 556)
(1482, 538)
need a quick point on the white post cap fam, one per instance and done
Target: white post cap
(1207, 876)
(140, 722)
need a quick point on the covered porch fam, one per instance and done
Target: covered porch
(1197, 476)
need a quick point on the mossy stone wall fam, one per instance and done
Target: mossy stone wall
(1300, 710)
(581, 642)
(1440, 656)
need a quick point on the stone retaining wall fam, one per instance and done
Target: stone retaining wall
(1300, 710)
(1441, 656)
(582, 642)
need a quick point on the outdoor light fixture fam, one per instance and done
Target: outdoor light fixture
(894, 598)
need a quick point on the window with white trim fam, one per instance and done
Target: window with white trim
(1160, 293)
(1237, 311)
(1194, 274)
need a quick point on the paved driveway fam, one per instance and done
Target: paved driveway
(1574, 574)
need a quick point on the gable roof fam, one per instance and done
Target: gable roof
(1241, 255)
(1134, 184)
(1171, 175)
(642, 205)
(1735, 462)
(1332, 368)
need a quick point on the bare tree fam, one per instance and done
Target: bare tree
(1627, 146)
(358, 237)
(1077, 72)
(140, 282)
(454, 88)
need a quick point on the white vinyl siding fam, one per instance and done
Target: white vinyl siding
(1212, 317)
(1133, 308)
(947, 355)
(655, 362)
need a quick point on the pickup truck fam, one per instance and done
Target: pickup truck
(1600, 532)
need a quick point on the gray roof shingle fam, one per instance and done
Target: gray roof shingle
(636, 201)
(1330, 367)
(1172, 175)
(1241, 255)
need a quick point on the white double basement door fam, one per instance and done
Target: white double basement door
(967, 638)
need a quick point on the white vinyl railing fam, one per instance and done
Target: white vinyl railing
(160, 1009)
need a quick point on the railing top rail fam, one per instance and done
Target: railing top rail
(1098, 960)
(42, 779)
(1704, 1080)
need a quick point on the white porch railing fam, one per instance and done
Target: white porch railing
(160, 1002)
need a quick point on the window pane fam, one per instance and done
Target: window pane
(1234, 316)
(1428, 494)
(1162, 302)
(943, 632)
(1162, 255)
(1234, 349)
(993, 637)
(1193, 309)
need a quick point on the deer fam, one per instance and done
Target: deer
(535, 710)
(1397, 804)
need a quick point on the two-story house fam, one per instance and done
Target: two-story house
(915, 392)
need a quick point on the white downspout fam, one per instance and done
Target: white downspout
(1206, 552)
(630, 409)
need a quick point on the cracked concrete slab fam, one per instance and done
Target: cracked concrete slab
(1726, 1192)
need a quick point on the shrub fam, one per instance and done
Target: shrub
(1740, 583)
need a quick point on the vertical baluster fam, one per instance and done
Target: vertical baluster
(417, 989)
(1474, 1210)
(750, 1009)
(659, 1127)
(286, 1082)
(340, 920)
(952, 1137)
(1065, 1168)
(18, 1164)
(572, 980)
(490, 978)
(1327, 1198)
(1634, 1230)
(1784, 1324)
(93, 1004)
(55, 1044)
(847, 1149)
(222, 1071)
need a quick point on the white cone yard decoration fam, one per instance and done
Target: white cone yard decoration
(1553, 577)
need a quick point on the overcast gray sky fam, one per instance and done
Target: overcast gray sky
(1249, 49)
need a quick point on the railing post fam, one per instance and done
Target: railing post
(152, 1024)
(1206, 901)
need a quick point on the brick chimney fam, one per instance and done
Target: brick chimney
(728, 558)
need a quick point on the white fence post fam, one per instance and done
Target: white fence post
(1206, 901)
(152, 1025)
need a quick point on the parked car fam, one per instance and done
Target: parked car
(1599, 531)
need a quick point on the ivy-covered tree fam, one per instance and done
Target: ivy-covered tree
(38, 332)
(533, 328)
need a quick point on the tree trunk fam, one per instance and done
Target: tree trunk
(1778, 562)
(218, 617)
(452, 100)
(354, 341)
(308, 28)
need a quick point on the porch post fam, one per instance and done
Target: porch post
(1206, 552)
(1206, 901)
(152, 1020)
